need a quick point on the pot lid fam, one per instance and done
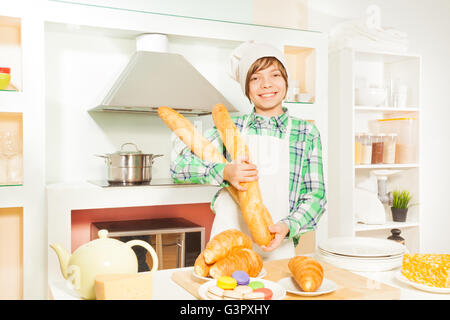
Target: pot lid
(123, 152)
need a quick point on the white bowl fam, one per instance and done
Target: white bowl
(370, 97)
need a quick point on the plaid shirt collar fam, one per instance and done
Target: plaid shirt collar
(275, 123)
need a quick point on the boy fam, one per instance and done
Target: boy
(285, 156)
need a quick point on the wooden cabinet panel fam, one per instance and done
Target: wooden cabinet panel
(11, 253)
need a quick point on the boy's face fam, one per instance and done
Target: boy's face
(267, 88)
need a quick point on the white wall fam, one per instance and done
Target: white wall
(428, 26)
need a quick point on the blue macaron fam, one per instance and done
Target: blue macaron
(242, 278)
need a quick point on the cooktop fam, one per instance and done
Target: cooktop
(153, 182)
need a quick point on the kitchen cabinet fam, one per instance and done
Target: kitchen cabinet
(22, 111)
(350, 69)
(11, 253)
(11, 149)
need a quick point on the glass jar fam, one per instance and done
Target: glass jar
(377, 149)
(406, 146)
(389, 142)
(357, 148)
(366, 148)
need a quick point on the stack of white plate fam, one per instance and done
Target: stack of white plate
(362, 253)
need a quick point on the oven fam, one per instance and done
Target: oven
(177, 241)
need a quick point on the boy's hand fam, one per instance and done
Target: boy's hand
(240, 171)
(280, 229)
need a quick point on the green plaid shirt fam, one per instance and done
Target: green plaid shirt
(307, 198)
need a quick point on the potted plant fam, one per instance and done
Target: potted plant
(400, 205)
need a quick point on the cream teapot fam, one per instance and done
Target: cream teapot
(101, 256)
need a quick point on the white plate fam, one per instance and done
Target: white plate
(262, 274)
(360, 264)
(363, 247)
(367, 258)
(291, 286)
(399, 276)
(278, 291)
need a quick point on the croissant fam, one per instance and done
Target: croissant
(307, 272)
(244, 259)
(222, 244)
(198, 144)
(255, 214)
(200, 266)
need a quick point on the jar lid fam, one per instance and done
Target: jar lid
(5, 70)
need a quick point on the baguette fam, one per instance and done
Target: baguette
(244, 259)
(200, 266)
(256, 215)
(198, 144)
(222, 245)
(307, 272)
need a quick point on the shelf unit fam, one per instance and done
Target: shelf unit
(347, 68)
(301, 62)
(11, 137)
(11, 253)
(11, 193)
(22, 108)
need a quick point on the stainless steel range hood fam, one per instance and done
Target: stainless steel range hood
(155, 77)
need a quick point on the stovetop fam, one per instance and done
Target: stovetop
(153, 182)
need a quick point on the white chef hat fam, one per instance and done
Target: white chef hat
(246, 54)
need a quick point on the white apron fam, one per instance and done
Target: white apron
(271, 156)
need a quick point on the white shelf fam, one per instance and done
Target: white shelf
(11, 196)
(359, 227)
(346, 66)
(385, 109)
(12, 101)
(387, 166)
(387, 56)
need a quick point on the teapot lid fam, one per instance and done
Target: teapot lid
(103, 234)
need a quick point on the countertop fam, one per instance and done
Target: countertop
(164, 288)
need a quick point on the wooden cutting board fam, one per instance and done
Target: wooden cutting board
(350, 286)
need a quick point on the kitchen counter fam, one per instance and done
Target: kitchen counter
(164, 288)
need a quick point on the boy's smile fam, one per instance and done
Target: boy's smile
(267, 89)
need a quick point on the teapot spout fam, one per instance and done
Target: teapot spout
(63, 257)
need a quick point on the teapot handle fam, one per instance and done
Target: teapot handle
(149, 248)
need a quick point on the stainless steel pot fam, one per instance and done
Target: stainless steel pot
(129, 167)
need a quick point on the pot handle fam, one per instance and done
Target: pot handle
(130, 143)
(149, 249)
(101, 156)
(155, 156)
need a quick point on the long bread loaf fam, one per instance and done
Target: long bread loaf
(198, 144)
(307, 272)
(256, 215)
(222, 244)
(246, 260)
